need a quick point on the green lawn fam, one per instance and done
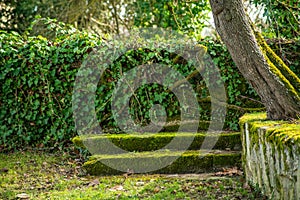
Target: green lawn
(43, 175)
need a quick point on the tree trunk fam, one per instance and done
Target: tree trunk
(274, 82)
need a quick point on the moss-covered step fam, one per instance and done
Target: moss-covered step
(185, 126)
(152, 142)
(164, 162)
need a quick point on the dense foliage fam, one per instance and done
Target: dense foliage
(111, 16)
(17, 15)
(186, 16)
(37, 79)
(282, 18)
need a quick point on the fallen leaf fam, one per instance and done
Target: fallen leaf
(139, 183)
(229, 172)
(70, 163)
(94, 183)
(4, 170)
(128, 173)
(83, 179)
(116, 188)
(156, 190)
(41, 145)
(246, 186)
(22, 196)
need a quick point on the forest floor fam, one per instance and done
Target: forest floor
(44, 175)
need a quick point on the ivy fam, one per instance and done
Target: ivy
(37, 77)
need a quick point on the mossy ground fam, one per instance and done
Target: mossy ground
(59, 176)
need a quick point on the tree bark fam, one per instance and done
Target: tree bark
(277, 86)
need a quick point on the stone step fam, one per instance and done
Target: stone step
(163, 162)
(151, 142)
(185, 126)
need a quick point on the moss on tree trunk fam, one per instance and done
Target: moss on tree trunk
(291, 80)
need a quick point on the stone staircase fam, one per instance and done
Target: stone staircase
(150, 153)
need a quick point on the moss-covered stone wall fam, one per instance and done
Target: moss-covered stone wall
(271, 155)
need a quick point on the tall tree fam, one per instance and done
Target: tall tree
(276, 84)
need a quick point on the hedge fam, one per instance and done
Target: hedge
(36, 79)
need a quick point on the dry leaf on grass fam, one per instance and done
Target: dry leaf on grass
(94, 183)
(156, 189)
(4, 170)
(22, 196)
(116, 188)
(230, 172)
(140, 183)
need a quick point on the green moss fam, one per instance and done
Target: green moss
(152, 142)
(188, 126)
(78, 142)
(285, 133)
(282, 132)
(279, 69)
(220, 159)
(272, 153)
(188, 162)
(252, 117)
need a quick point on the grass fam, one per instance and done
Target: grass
(42, 175)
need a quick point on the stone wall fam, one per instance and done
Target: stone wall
(271, 155)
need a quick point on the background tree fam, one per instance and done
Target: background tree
(276, 84)
(17, 15)
(280, 24)
(108, 16)
(189, 17)
(281, 18)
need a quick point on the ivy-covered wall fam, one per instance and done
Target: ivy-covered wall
(271, 155)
